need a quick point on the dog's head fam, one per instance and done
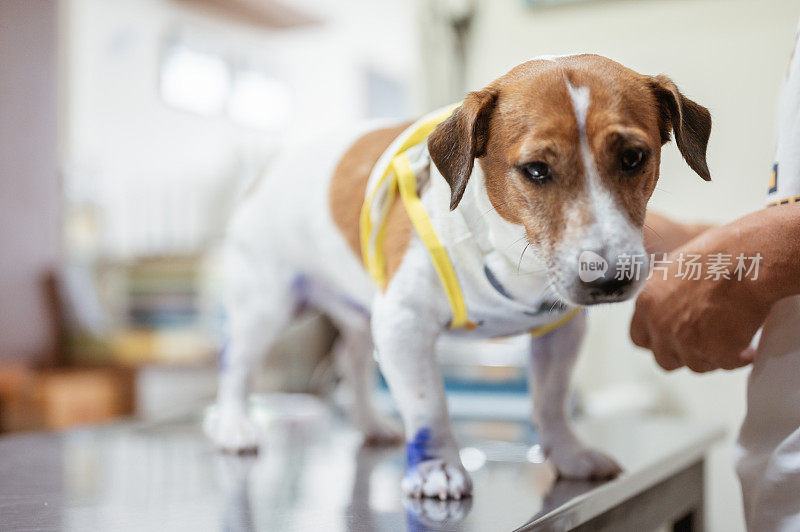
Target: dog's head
(570, 150)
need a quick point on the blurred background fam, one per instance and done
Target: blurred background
(129, 128)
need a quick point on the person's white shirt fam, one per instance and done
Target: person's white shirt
(768, 449)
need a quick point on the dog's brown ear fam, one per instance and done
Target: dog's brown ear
(690, 121)
(457, 141)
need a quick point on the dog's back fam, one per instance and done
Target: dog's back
(304, 212)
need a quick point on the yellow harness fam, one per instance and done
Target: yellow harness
(398, 175)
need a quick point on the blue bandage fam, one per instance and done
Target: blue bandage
(416, 449)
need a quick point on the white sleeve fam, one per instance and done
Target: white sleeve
(785, 181)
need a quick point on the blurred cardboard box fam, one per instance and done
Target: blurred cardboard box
(79, 396)
(60, 398)
(18, 409)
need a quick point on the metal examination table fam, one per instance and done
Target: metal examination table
(313, 475)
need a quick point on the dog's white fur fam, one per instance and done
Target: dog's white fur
(285, 228)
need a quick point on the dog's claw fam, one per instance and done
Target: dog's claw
(437, 478)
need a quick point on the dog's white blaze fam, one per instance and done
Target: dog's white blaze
(611, 225)
(555, 57)
(580, 104)
(550, 57)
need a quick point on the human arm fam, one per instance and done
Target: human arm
(708, 324)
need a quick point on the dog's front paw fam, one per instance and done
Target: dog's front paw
(437, 478)
(579, 462)
(231, 431)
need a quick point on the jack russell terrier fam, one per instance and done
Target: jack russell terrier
(568, 152)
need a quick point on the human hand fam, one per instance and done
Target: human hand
(704, 324)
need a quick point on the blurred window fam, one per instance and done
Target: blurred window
(194, 81)
(206, 83)
(260, 101)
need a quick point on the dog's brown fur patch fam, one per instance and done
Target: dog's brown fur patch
(348, 186)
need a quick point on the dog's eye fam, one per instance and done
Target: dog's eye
(631, 159)
(537, 172)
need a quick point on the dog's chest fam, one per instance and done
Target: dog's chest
(495, 304)
(502, 296)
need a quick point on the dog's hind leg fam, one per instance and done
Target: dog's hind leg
(552, 359)
(260, 303)
(353, 353)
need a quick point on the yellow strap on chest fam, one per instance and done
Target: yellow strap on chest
(552, 326)
(407, 183)
(403, 179)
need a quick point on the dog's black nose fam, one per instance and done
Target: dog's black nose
(608, 285)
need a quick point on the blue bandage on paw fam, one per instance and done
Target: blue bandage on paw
(416, 449)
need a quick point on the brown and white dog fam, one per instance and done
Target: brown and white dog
(568, 151)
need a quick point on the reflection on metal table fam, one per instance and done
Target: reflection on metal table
(313, 474)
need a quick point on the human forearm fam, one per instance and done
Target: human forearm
(707, 321)
(662, 234)
(774, 235)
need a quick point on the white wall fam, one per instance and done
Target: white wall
(147, 166)
(729, 55)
